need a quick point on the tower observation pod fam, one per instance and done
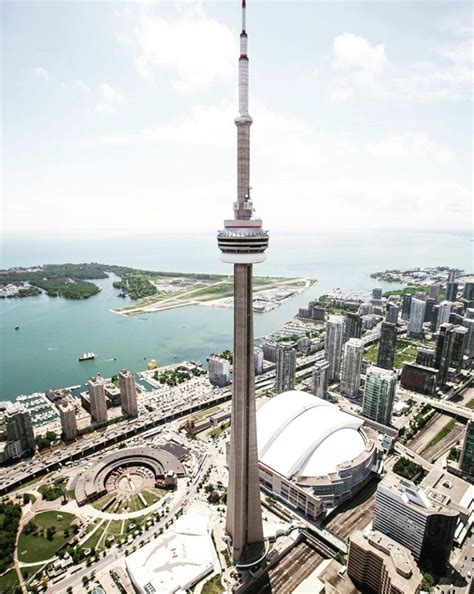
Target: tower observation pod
(243, 243)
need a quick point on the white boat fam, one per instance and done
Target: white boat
(87, 357)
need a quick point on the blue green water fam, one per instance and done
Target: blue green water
(54, 331)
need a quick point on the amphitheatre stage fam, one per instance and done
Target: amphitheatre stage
(128, 472)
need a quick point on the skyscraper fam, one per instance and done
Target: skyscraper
(98, 403)
(392, 313)
(67, 414)
(469, 345)
(434, 318)
(377, 293)
(258, 361)
(243, 243)
(406, 306)
(19, 431)
(352, 326)
(388, 341)
(434, 291)
(351, 366)
(466, 462)
(459, 345)
(379, 394)
(320, 379)
(444, 352)
(430, 303)
(333, 345)
(417, 317)
(128, 393)
(285, 368)
(443, 313)
(468, 291)
(451, 291)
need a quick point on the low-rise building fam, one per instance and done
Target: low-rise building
(381, 565)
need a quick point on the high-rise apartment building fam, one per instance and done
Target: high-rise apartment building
(377, 293)
(405, 513)
(320, 379)
(333, 345)
(406, 306)
(425, 357)
(67, 415)
(468, 291)
(258, 361)
(285, 368)
(417, 317)
(98, 402)
(352, 326)
(434, 318)
(387, 344)
(128, 394)
(469, 345)
(430, 303)
(379, 395)
(243, 243)
(460, 336)
(351, 366)
(219, 371)
(444, 352)
(444, 310)
(451, 291)
(466, 461)
(377, 563)
(392, 313)
(269, 351)
(19, 431)
(434, 291)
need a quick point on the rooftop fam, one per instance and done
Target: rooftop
(301, 434)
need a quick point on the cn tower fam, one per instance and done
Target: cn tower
(243, 243)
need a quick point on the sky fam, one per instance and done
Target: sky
(120, 116)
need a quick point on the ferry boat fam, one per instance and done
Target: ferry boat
(87, 357)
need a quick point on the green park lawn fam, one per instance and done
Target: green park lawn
(9, 582)
(37, 547)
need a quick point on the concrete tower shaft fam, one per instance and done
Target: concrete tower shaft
(243, 243)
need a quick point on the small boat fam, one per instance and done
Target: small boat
(17, 327)
(87, 357)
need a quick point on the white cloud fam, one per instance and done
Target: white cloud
(109, 99)
(196, 48)
(41, 73)
(356, 54)
(362, 68)
(409, 147)
(82, 86)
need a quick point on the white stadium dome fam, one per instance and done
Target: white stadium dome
(301, 435)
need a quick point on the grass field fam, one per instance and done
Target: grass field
(91, 542)
(213, 586)
(440, 435)
(470, 404)
(33, 548)
(8, 582)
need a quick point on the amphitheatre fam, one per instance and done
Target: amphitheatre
(117, 478)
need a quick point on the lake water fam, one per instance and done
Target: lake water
(54, 331)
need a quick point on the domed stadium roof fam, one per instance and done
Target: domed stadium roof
(302, 435)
